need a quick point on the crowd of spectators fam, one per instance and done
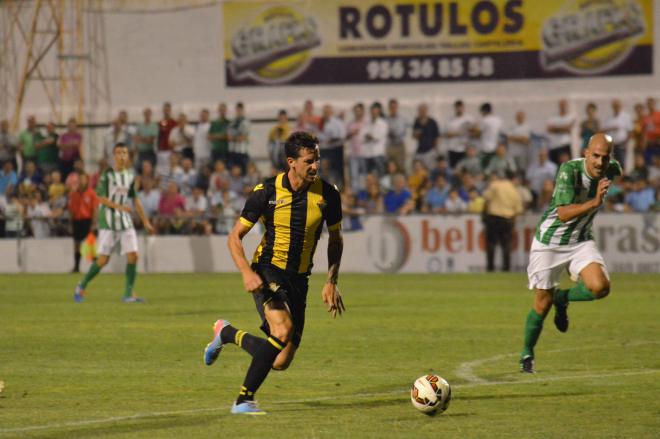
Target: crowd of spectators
(194, 178)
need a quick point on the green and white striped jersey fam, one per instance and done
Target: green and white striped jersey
(572, 186)
(118, 187)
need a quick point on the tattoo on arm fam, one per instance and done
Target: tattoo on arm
(335, 250)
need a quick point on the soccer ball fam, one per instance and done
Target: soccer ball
(430, 393)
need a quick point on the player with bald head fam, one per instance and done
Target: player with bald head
(564, 241)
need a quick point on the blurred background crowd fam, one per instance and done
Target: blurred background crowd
(194, 176)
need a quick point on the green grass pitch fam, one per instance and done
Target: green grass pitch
(105, 369)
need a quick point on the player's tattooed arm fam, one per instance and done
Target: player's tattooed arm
(335, 250)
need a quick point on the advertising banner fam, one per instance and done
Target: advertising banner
(337, 42)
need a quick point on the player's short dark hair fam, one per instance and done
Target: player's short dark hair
(458, 103)
(281, 113)
(298, 141)
(486, 108)
(119, 145)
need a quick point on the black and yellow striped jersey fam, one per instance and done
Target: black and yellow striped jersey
(293, 221)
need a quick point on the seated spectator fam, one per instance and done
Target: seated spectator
(639, 171)
(399, 200)
(14, 212)
(218, 178)
(417, 179)
(8, 176)
(500, 163)
(30, 180)
(171, 208)
(387, 180)
(253, 176)
(441, 167)
(149, 196)
(204, 177)
(371, 198)
(436, 196)
(182, 136)
(654, 171)
(187, 179)
(467, 184)
(471, 164)
(641, 198)
(236, 180)
(477, 203)
(454, 203)
(173, 172)
(351, 212)
(276, 139)
(224, 208)
(38, 214)
(538, 173)
(56, 188)
(655, 207)
(197, 208)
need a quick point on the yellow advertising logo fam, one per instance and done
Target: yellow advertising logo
(591, 36)
(275, 47)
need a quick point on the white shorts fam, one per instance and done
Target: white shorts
(546, 263)
(109, 238)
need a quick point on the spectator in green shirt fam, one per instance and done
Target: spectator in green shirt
(145, 139)
(218, 135)
(26, 140)
(47, 151)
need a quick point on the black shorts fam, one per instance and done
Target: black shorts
(81, 229)
(282, 288)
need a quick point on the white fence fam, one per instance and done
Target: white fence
(413, 244)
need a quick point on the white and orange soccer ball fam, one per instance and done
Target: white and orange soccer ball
(430, 393)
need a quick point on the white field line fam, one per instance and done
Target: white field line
(465, 370)
(117, 419)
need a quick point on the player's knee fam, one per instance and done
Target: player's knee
(282, 363)
(282, 330)
(599, 287)
(543, 303)
(132, 258)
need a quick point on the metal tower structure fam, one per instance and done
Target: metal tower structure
(53, 55)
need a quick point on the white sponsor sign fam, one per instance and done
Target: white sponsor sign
(412, 244)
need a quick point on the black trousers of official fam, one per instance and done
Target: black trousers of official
(499, 231)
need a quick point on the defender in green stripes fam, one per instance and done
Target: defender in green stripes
(116, 190)
(564, 241)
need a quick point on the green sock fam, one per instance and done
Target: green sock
(578, 293)
(533, 328)
(131, 272)
(91, 273)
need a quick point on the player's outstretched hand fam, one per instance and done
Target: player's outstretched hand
(332, 299)
(252, 281)
(603, 187)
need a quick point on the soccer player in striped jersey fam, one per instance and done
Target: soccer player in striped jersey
(116, 190)
(564, 241)
(293, 207)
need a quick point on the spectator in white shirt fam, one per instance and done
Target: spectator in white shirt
(197, 207)
(149, 197)
(201, 142)
(539, 172)
(488, 132)
(519, 139)
(116, 133)
(181, 137)
(375, 140)
(458, 134)
(397, 126)
(356, 153)
(620, 127)
(331, 138)
(559, 133)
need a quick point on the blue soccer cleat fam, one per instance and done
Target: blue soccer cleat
(78, 294)
(213, 349)
(133, 299)
(247, 408)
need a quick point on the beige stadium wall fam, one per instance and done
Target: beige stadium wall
(178, 56)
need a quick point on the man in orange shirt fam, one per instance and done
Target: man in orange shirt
(82, 205)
